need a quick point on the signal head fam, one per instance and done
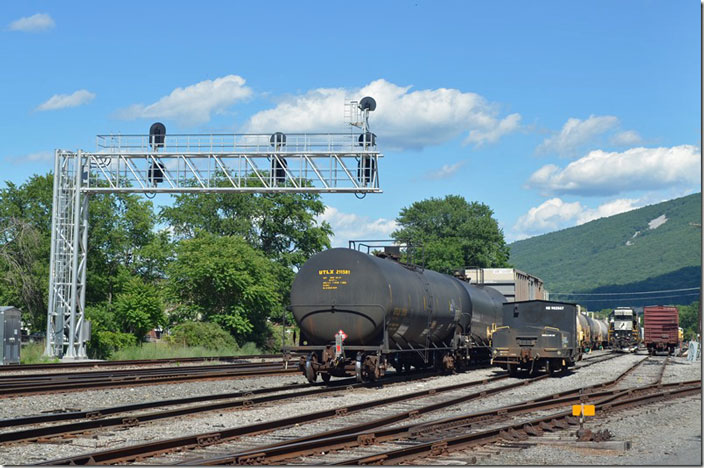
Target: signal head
(367, 103)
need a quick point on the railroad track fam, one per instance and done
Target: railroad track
(20, 385)
(136, 362)
(519, 431)
(139, 452)
(91, 420)
(424, 445)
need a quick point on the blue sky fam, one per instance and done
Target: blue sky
(552, 113)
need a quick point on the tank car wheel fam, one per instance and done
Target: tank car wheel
(311, 374)
(548, 367)
(326, 377)
(358, 368)
(512, 369)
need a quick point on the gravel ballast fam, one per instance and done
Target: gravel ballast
(678, 370)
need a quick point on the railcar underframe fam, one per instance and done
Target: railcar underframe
(368, 363)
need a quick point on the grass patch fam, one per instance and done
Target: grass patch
(171, 351)
(32, 353)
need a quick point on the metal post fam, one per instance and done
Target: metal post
(81, 351)
(75, 256)
(51, 318)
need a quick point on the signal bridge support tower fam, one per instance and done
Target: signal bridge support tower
(160, 163)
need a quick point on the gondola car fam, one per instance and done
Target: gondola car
(537, 335)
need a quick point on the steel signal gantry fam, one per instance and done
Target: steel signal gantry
(250, 163)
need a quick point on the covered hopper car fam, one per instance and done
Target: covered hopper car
(358, 314)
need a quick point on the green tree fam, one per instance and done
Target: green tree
(25, 243)
(224, 280)
(453, 233)
(121, 244)
(138, 308)
(689, 315)
(282, 225)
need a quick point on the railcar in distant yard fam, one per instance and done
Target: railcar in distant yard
(599, 333)
(624, 330)
(591, 333)
(661, 326)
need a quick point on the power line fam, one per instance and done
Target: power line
(650, 298)
(623, 293)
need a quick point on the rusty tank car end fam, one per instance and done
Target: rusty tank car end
(359, 314)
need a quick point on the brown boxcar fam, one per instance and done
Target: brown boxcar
(661, 325)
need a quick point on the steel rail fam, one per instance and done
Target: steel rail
(662, 369)
(75, 428)
(101, 412)
(11, 381)
(199, 440)
(522, 429)
(276, 453)
(259, 454)
(136, 362)
(154, 448)
(29, 389)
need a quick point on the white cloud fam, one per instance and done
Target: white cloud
(193, 105)
(608, 209)
(608, 173)
(446, 171)
(627, 138)
(62, 101)
(349, 226)
(405, 118)
(549, 216)
(576, 133)
(35, 23)
(492, 135)
(557, 214)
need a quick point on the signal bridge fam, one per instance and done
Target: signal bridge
(160, 163)
(323, 163)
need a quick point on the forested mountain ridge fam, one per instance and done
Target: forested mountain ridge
(656, 247)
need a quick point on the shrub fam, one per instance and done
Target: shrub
(104, 343)
(206, 334)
